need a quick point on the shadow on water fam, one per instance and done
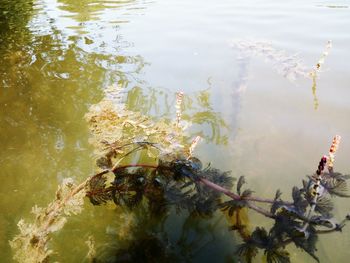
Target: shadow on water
(158, 238)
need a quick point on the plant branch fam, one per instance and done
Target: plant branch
(235, 196)
(219, 189)
(315, 192)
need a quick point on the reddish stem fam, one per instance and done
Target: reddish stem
(219, 188)
(216, 188)
(235, 197)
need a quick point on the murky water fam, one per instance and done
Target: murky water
(56, 58)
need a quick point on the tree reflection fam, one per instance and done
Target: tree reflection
(14, 37)
(87, 10)
(197, 111)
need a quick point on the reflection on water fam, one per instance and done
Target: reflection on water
(54, 72)
(197, 111)
(48, 79)
(58, 55)
(290, 67)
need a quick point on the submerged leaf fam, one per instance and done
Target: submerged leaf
(97, 191)
(260, 237)
(277, 256)
(307, 242)
(276, 203)
(324, 206)
(247, 193)
(300, 203)
(240, 183)
(31, 244)
(335, 186)
(247, 252)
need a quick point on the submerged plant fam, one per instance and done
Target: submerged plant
(171, 176)
(31, 244)
(290, 66)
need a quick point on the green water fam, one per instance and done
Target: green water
(56, 58)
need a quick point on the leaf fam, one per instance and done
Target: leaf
(286, 223)
(307, 244)
(97, 191)
(240, 183)
(324, 206)
(276, 203)
(300, 203)
(32, 243)
(323, 221)
(232, 205)
(247, 251)
(337, 176)
(247, 193)
(216, 176)
(239, 221)
(277, 256)
(104, 162)
(260, 237)
(278, 195)
(128, 187)
(335, 186)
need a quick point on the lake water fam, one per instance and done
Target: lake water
(244, 65)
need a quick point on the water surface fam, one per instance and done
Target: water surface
(58, 56)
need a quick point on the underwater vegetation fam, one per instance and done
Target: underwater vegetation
(169, 176)
(290, 66)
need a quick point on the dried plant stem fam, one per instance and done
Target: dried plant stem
(56, 209)
(30, 244)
